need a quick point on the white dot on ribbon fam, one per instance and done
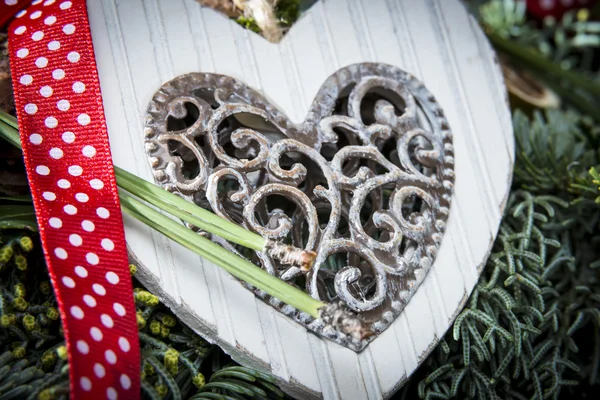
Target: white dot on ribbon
(22, 53)
(96, 184)
(107, 244)
(70, 209)
(78, 87)
(61, 253)
(63, 184)
(63, 105)
(20, 30)
(42, 170)
(56, 153)
(51, 122)
(85, 383)
(110, 356)
(102, 212)
(35, 15)
(54, 45)
(124, 344)
(31, 108)
(82, 347)
(96, 334)
(58, 74)
(68, 137)
(68, 282)
(92, 258)
(111, 393)
(112, 278)
(89, 300)
(83, 119)
(99, 370)
(82, 197)
(75, 170)
(49, 196)
(107, 321)
(26, 80)
(88, 151)
(75, 239)
(73, 56)
(50, 20)
(55, 222)
(41, 62)
(88, 226)
(37, 36)
(98, 289)
(69, 29)
(35, 138)
(77, 312)
(81, 271)
(125, 381)
(119, 309)
(46, 91)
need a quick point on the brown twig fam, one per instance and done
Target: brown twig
(340, 318)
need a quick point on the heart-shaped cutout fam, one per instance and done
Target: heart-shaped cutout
(365, 181)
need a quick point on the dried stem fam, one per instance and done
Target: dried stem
(342, 319)
(290, 255)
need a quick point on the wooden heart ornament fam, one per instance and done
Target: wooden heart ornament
(330, 140)
(365, 181)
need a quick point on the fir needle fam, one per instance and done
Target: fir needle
(336, 315)
(210, 222)
(232, 263)
(190, 212)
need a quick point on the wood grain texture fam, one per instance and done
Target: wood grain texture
(141, 44)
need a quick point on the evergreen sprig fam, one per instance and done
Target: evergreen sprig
(531, 327)
(176, 363)
(32, 353)
(569, 42)
(555, 149)
(179, 364)
(499, 345)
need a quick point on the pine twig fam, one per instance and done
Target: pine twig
(535, 60)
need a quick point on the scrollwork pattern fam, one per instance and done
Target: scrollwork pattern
(365, 181)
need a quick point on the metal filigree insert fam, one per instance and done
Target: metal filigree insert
(365, 181)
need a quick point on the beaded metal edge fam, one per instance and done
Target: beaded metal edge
(396, 275)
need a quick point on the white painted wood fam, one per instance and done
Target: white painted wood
(347, 371)
(387, 356)
(140, 44)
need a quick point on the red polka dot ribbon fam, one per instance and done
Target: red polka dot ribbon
(69, 166)
(8, 8)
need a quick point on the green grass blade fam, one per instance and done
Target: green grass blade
(195, 215)
(235, 265)
(187, 211)
(167, 201)
(9, 133)
(8, 119)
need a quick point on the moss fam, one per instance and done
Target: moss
(287, 13)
